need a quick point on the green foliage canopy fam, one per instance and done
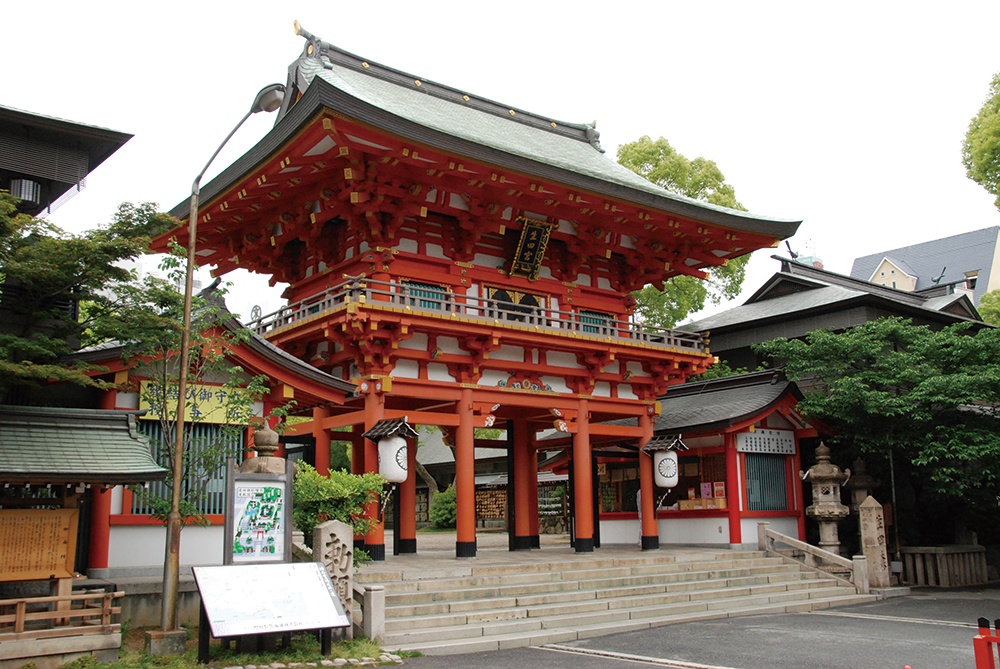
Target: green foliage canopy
(989, 307)
(931, 397)
(45, 270)
(981, 148)
(700, 179)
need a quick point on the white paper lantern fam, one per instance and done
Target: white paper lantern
(665, 470)
(392, 459)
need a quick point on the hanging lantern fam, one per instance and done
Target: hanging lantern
(392, 458)
(665, 470)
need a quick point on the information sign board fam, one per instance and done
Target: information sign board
(37, 543)
(258, 516)
(262, 598)
(780, 442)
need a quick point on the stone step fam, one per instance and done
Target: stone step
(576, 627)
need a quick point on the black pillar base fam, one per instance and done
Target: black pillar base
(535, 541)
(650, 543)
(376, 552)
(359, 545)
(465, 549)
(407, 546)
(584, 545)
(521, 544)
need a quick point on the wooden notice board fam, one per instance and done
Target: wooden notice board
(37, 543)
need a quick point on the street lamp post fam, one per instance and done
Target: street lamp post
(267, 100)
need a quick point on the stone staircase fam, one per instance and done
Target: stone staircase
(464, 607)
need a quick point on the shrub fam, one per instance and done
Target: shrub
(339, 496)
(444, 509)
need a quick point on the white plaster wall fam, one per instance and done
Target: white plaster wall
(488, 260)
(777, 421)
(557, 382)
(407, 245)
(127, 401)
(566, 227)
(512, 353)
(362, 247)
(625, 392)
(450, 345)
(144, 546)
(562, 359)
(583, 279)
(545, 272)
(748, 526)
(406, 369)
(627, 242)
(602, 389)
(602, 282)
(438, 372)
(672, 531)
(612, 368)
(492, 377)
(435, 251)
(418, 342)
(635, 367)
(117, 497)
(456, 201)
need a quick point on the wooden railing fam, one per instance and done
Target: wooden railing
(815, 557)
(420, 299)
(944, 566)
(24, 622)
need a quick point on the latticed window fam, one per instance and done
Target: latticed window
(594, 322)
(206, 490)
(426, 295)
(767, 484)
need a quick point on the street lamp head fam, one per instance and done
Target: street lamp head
(269, 98)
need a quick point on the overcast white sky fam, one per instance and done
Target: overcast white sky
(848, 115)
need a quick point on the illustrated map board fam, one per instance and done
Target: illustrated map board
(258, 516)
(262, 598)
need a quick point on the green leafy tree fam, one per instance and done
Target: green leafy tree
(700, 179)
(46, 272)
(989, 307)
(220, 398)
(981, 149)
(929, 398)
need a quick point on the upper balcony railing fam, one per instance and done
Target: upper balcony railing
(420, 298)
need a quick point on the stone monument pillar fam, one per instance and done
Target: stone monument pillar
(333, 545)
(873, 542)
(826, 508)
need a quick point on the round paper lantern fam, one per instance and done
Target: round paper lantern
(392, 459)
(665, 469)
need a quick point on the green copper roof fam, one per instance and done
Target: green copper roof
(52, 445)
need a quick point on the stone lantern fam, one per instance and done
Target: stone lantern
(861, 484)
(826, 508)
(265, 443)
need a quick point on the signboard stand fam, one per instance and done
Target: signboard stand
(252, 603)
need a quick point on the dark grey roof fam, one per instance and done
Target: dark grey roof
(694, 407)
(799, 288)
(53, 445)
(56, 153)
(967, 252)
(388, 427)
(479, 129)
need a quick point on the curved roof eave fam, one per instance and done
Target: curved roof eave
(322, 94)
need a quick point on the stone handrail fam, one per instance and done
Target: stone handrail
(815, 557)
(944, 566)
(359, 290)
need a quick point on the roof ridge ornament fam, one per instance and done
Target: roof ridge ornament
(594, 136)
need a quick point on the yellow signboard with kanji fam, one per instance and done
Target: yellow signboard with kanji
(204, 403)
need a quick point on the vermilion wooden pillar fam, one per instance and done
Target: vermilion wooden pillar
(650, 531)
(797, 490)
(408, 502)
(358, 467)
(374, 412)
(322, 437)
(733, 494)
(522, 471)
(465, 478)
(100, 508)
(583, 494)
(533, 497)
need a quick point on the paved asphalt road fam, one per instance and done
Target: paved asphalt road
(931, 629)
